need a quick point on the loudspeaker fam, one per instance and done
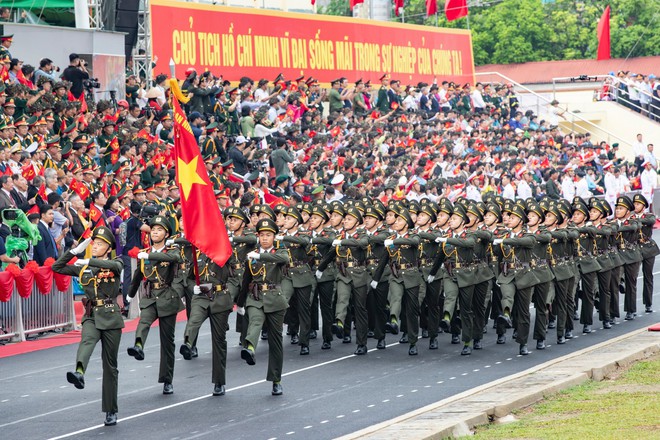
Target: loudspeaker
(128, 5)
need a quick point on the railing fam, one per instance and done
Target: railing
(22, 316)
(540, 103)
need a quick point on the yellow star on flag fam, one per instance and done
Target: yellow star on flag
(188, 175)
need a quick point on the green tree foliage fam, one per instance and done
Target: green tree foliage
(516, 31)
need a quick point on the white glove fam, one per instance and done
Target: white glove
(388, 243)
(441, 240)
(430, 279)
(336, 242)
(373, 284)
(80, 249)
(240, 310)
(231, 239)
(128, 299)
(318, 274)
(169, 242)
(196, 290)
(279, 237)
(143, 255)
(81, 262)
(497, 241)
(253, 255)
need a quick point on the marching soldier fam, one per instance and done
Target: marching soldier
(561, 268)
(264, 301)
(377, 297)
(182, 279)
(572, 235)
(628, 236)
(431, 273)
(598, 216)
(100, 279)
(157, 268)
(648, 248)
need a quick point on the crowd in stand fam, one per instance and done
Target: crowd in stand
(637, 91)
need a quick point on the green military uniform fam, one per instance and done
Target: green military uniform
(603, 247)
(542, 270)
(100, 280)
(628, 234)
(159, 301)
(649, 250)
(181, 282)
(587, 260)
(265, 303)
(377, 298)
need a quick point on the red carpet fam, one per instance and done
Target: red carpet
(72, 337)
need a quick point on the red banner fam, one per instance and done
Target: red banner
(237, 42)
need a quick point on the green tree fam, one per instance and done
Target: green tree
(337, 7)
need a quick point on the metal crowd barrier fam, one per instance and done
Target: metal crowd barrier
(20, 317)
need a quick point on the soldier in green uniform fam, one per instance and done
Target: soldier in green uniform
(517, 253)
(383, 101)
(493, 223)
(265, 303)
(212, 300)
(647, 246)
(628, 234)
(349, 254)
(181, 282)
(561, 269)
(100, 279)
(158, 267)
(321, 244)
(377, 296)
(598, 216)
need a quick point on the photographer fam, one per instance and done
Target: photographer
(46, 69)
(130, 236)
(76, 73)
(241, 154)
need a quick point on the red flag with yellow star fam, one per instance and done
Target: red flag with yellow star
(202, 220)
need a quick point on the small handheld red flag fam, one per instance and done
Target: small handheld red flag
(80, 189)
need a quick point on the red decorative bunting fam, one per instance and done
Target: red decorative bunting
(6, 286)
(44, 279)
(62, 282)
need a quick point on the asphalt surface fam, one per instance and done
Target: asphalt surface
(326, 394)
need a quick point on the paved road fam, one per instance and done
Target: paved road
(326, 394)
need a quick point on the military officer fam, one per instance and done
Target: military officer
(561, 270)
(157, 268)
(598, 216)
(628, 235)
(100, 279)
(647, 246)
(265, 302)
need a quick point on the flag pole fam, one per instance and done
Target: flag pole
(195, 267)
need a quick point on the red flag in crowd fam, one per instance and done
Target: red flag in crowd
(80, 189)
(431, 7)
(603, 32)
(398, 4)
(455, 9)
(204, 227)
(336, 131)
(125, 213)
(42, 193)
(95, 216)
(352, 3)
(28, 172)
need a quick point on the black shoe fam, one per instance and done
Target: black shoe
(568, 334)
(504, 321)
(455, 339)
(110, 419)
(75, 378)
(168, 388)
(264, 335)
(326, 345)
(629, 316)
(501, 339)
(561, 340)
(195, 353)
(433, 344)
(277, 389)
(444, 325)
(467, 350)
(295, 339)
(392, 327)
(412, 351)
(477, 344)
(218, 390)
(186, 352)
(404, 338)
(370, 334)
(248, 356)
(515, 334)
(485, 330)
(304, 350)
(347, 339)
(607, 325)
(381, 344)
(586, 329)
(523, 350)
(425, 334)
(312, 334)
(552, 324)
(338, 330)
(648, 309)
(136, 352)
(360, 350)
(540, 344)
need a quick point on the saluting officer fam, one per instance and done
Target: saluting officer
(100, 279)
(264, 301)
(647, 246)
(157, 268)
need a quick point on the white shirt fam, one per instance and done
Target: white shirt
(508, 192)
(639, 148)
(649, 157)
(611, 186)
(649, 181)
(524, 190)
(568, 188)
(472, 193)
(477, 99)
(582, 189)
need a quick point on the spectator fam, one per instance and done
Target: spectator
(237, 154)
(6, 187)
(46, 247)
(46, 70)
(76, 74)
(281, 157)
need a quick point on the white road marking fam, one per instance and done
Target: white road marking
(44, 391)
(307, 427)
(464, 374)
(63, 386)
(371, 406)
(386, 400)
(324, 421)
(290, 432)
(400, 395)
(440, 381)
(6, 400)
(340, 416)
(452, 378)
(25, 395)
(356, 410)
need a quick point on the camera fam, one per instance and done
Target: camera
(91, 83)
(149, 210)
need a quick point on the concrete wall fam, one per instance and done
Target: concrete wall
(32, 43)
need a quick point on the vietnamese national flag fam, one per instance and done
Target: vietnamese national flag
(204, 227)
(80, 189)
(431, 7)
(336, 131)
(352, 3)
(42, 193)
(455, 9)
(603, 32)
(398, 5)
